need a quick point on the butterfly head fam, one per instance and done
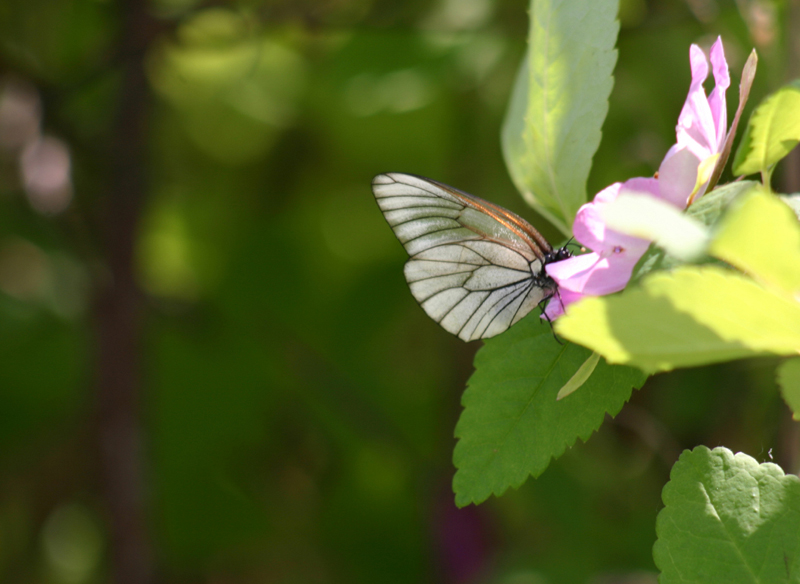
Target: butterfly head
(557, 255)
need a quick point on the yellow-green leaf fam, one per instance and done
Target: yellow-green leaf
(772, 132)
(760, 235)
(691, 316)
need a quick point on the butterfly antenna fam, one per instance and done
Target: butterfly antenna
(571, 241)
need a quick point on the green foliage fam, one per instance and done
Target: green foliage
(233, 89)
(550, 135)
(761, 237)
(708, 209)
(512, 424)
(692, 316)
(772, 132)
(297, 405)
(559, 102)
(697, 315)
(689, 317)
(728, 519)
(788, 379)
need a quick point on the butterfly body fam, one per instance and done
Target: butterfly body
(475, 268)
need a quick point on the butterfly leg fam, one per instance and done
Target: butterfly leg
(547, 318)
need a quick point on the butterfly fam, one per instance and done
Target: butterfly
(475, 268)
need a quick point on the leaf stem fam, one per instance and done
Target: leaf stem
(766, 178)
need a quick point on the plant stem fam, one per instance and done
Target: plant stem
(117, 313)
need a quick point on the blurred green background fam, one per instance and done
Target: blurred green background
(294, 406)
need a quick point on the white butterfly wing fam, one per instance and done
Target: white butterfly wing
(474, 267)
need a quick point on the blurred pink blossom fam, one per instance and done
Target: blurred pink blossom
(45, 166)
(20, 114)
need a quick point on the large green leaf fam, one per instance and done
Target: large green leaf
(559, 102)
(728, 519)
(691, 316)
(761, 236)
(772, 132)
(512, 423)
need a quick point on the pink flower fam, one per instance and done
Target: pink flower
(608, 268)
(701, 133)
(701, 130)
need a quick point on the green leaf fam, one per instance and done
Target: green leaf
(512, 424)
(788, 378)
(772, 132)
(707, 210)
(727, 518)
(559, 102)
(690, 316)
(580, 377)
(710, 207)
(761, 236)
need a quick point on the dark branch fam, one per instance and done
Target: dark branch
(117, 312)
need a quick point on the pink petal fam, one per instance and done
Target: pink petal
(554, 309)
(690, 138)
(716, 99)
(559, 302)
(696, 128)
(573, 268)
(677, 176)
(642, 185)
(590, 228)
(597, 274)
(699, 65)
(720, 65)
(608, 194)
(611, 274)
